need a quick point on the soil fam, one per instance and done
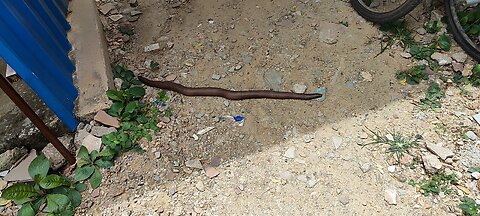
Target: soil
(313, 43)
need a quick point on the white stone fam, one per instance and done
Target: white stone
(440, 151)
(152, 47)
(471, 135)
(290, 153)
(391, 169)
(92, 143)
(299, 88)
(476, 175)
(337, 141)
(391, 196)
(442, 59)
(431, 163)
(460, 57)
(405, 55)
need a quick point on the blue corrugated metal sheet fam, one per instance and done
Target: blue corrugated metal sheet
(33, 41)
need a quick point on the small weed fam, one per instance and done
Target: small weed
(433, 27)
(474, 79)
(444, 42)
(432, 98)
(154, 65)
(437, 183)
(422, 52)
(469, 207)
(413, 75)
(396, 142)
(440, 128)
(397, 31)
(469, 21)
(465, 92)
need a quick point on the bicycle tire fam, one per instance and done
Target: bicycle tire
(459, 35)
(384, 17)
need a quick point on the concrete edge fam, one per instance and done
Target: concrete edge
(93, 75)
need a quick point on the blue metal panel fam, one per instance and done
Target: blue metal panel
(33, 42)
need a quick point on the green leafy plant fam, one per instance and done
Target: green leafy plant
(438, 183)
(473, 169)
(422, 52)
(413, 75)
(60, 195)
(469, 207)
(89, 164)
(432, 98)
(433, 27)
(444, 42)
(126, 75)
(469, 21)
(396, 32)
(397, 144)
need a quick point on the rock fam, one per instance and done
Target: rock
(366, 76)
(471, 135)
(135, 13)
(189, 62)
(405, 55)
(365, 167)
(299, 88)
(363, 135)
(286, 175)
(406, 159)
(205, 130)
(104, 9)
(20, 172)
(95, 193)
(100, 131)
(323, 91)
(158, 155)
(79, 137)
(290, 153)
(389, 137)
(152, 47)
(477, 118)
(3, 184)
(170, 45)
(216, 77)
(10, 157)
(311, 181)
(171, 77)
(238, 67)
(460, 57)
(92, 143)
(344, 199)
(457, 67)
(200, 186)
(307, 138)
(440, 151)
(467, 70)
(329, 32)
(104, 118)
(476, 175)
(442, 59)
(421, 31)
(272, 79)
(194, 164)
(115, 17)
(247, 58)
(431, 163)
(52, 154)
(133, 3)
(391, 196)
(211, 172)
(391, 169)
(337, 141)
(231, 69)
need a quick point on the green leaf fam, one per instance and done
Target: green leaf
(53, 181)
(136, 82)
(19, 191)
(26, 210)
(104, 163)
(136, 91)
(83, 153)
(83, 173)
(116, 109)
(115, 95)
(82, 162)
(125, 85)
(445, 42)
(93, 155)
(73, 195)
(106, 154)
(37, 204)
(39, 166)
(81, 187)
(96, 179)
(131, 107)
(474, 169)
(57, 203)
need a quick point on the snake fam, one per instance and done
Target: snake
(228, 94)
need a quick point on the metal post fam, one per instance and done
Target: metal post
(18, 100)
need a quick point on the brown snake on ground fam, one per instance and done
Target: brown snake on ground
(228, 94)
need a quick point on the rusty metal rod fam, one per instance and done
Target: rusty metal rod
(18, 100)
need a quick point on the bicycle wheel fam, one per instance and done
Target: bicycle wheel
(383, 11)
(464, 24)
